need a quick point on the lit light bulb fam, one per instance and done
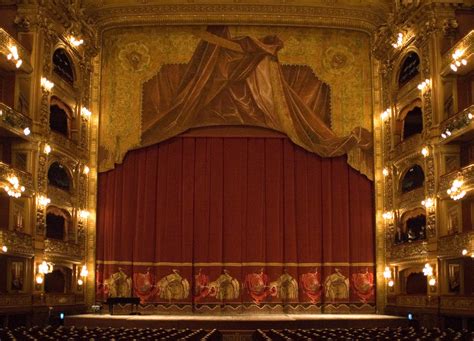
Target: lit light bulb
(463, 61)
(387, 274)
(80, 282)
(47, 149)
(86, 170)
(46, 84)
(464, 252)
(428, 270)
(387, 215)
(425, 152)
(75, 42)
(428, 203)
(385, 172)
(84, 271)
(391, 283)
(86, 112)
(26, 131)
(470, 116)
(4, 248)
(443, 135)
(39, 279)
(432, 282)
(84, 214)
(43, 201)
(18, 63)
(453, 67)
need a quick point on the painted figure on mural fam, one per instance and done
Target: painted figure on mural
(225, 287)
(286, 286)
(363, 285)
(118, 284)
(336, 286)
(144, 285)
(201, 285)
(258, 286)
(311, 285)
(173, 286)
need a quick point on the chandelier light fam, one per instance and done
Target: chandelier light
(387, 274)
(423, 85)
(388, 215)
(43, 201)
(13, 187)
(458, 61)
(428, 203)
(84, 214)
(428, 270)
(425, 151)
(47, 149)
(45, 267)
(14, 57)
(84, 271)
(385, 115)
(456, 191)
(86, 170)
(27, 131)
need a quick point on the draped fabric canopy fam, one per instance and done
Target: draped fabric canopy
(235, 222)
(239, 81)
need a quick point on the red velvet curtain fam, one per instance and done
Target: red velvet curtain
(235, 220)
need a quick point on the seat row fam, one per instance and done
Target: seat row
(96, 334)
(400, 333)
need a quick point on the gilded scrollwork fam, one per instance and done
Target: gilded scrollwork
(62, 248)
(17, 242)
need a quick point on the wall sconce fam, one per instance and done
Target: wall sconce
(47, 149)
(86, 113)
(4, 248)
(423, 85)
(425, 151)
(464, 252)
(428, 270)
(45, 268)
(80, 282)
(75, 42)
(46, 84)
(456, 192)
(13, 188)
(43, 201)
(84, 271)
(385, 171)
(432, 281)
(387, 215)
(399, 41)
(391, 283)
(86, 170)
(39, 278)
(428, 203)
(387, 274)
(84, 214)
(385, 115)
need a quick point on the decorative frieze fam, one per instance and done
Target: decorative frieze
(17, 242)
(409, 251)
(63, 249)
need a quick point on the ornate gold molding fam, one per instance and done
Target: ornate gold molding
(350, 17)
(452, 246)
(17, 243)
(63, 249)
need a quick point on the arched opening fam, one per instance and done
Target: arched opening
(58, 177)
(57, 223)
(55, 282)
(409, 68)
(417, 284)
(413, 123)
(414, 178)
(63, 65)
(60, 116)
(416, 228)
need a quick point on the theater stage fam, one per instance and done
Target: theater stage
(237, 323)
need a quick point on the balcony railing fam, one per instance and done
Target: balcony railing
(15, 300)
(14, 121)
(25, 178)
(17, 243)
(457, 125)
(467, 173)
(408, 251)
(452, 245)
(63, 249)
(466, 44)
(7, 41)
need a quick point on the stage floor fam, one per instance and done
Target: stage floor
(237, 322)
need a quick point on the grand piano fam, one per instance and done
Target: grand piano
(134, 301)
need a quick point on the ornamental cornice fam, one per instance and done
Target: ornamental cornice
(238, 14)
